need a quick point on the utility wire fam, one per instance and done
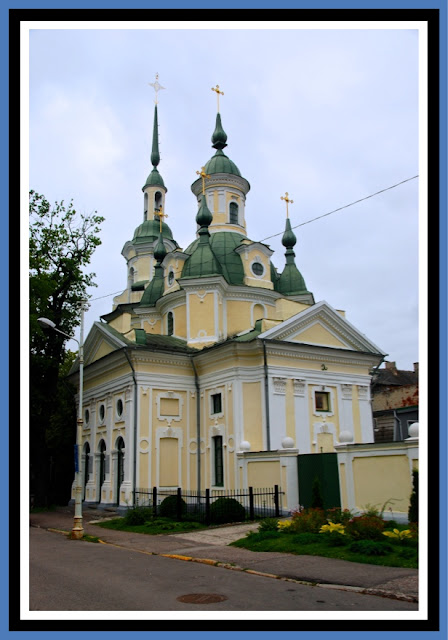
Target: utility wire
(324, 215)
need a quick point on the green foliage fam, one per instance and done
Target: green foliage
(225, 510)
(370, 547)
(136, 516)
(168, 507)
(317, 501)
(365, 527)
(151, 526)
(338, 515)
(413, 504)
(307, 521)
(61, 245)
(268, 524)
(305, 538)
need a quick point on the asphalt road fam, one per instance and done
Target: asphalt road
(69, 575)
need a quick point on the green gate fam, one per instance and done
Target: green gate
(324, 467)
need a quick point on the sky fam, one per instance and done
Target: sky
(329, 115)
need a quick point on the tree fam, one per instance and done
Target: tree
(61, 245)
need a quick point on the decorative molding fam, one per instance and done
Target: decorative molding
(346, 390)
(299, 387)
(279, 385)
(363, 392)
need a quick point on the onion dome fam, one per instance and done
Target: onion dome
(156, 287)
(220, 163)
(149, 230)
(202, 261)
(291, 281)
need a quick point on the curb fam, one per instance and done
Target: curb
(371, 591)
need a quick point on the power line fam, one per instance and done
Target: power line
(324, 215)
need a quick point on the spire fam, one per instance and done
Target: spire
(291, 281)
(154, 177)
(155, 156)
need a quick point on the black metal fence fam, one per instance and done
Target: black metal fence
(212, 506)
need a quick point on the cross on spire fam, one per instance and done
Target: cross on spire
(286, 199)
(203, 176)
(157, 86)
(162, 215)
(218, 93)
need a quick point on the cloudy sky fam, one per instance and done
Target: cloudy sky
(328, 114)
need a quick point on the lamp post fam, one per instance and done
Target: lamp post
(77, 531)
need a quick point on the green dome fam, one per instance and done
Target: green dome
(155, 289)
(291, 281)
(154, 179)
(149, 230)
(222, 244)
(220, 163)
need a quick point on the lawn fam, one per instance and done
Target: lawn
(398, 553)
(152, 526)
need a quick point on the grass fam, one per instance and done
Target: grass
(152, 527)
(396, 554)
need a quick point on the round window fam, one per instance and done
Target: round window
(119, 407)
(170, 277)
(257, 269)
(86, 416)
(102, 412)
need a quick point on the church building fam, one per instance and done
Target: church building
(213, 369)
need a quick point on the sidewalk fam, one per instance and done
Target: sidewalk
(210, 546)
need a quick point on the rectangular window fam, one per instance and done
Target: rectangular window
(322, 399)
(216, 403)
(218, 461)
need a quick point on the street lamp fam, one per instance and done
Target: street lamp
(77, 531)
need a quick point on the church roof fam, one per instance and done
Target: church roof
(149, 231)
(222, 244)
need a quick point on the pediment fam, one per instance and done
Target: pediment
(323, 326)
(100, 342)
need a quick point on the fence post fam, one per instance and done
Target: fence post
(154, 502)
(179, 503)
(251, 504)
(276, 501)
(207, 506)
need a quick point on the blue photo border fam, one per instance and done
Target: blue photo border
(10, 184)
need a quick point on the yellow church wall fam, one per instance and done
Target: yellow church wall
(325, 443)
(317, 334)
(316, 365)
(144, 268)
(103, 350)
(377, 479)
(180, 321)
(290, 410)
(168, 456)
(238, 316)
(153, 328)
(202, 314)
(264, 474)
(356, 415)
(106, 376)
(252, 414)
(285, 309)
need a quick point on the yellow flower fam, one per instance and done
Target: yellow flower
(284, 524)
(406, 533)
(331, 527)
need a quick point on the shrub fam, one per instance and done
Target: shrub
(413, 504)
(137, 516)
(168, 507)
(370, 547)
(306, 538)
(365, 528)
(338, 515)
(268, 524)
(227, 510)
(307, 521)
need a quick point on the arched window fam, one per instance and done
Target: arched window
(102, 449)
(233, 213)
(86, 467)
(131, 276)
(120, 465)
(170, 323)
(157, 201)
(145, 207)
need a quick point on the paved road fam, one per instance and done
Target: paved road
(68, 575)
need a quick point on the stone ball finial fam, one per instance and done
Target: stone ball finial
(345, 437)
(288, 443)
(245, 445)
(413, 430)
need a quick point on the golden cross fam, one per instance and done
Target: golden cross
(286, 199)
(157, 86)
(218, 93)
(203, 176)
(161, 216)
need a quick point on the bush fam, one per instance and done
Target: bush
(268, 524)
(413, 504)
(137, 516)
(225, 510)
(365, 528)
(168, 507)
(370, 547)
(307, 521)
(338, 515)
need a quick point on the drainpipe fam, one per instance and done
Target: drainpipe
(198, 425)
(266, 396)
(399, 430)
(134, 473)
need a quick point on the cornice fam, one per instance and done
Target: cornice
(221, 180)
